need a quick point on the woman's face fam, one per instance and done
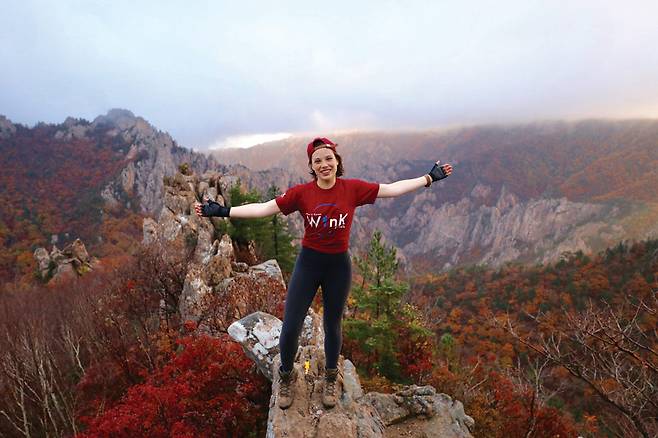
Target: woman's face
(324, 164)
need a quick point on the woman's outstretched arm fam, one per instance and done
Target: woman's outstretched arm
(254, 210)
(409, 185)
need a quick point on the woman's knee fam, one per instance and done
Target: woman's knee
(332, 327)
(291, 329)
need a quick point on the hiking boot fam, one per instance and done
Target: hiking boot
(330, 391)
(286, 393)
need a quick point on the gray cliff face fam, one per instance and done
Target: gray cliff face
(155, 155)
(469, 231)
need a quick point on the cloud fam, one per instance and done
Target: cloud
(341, 119)
(245, 141)
(215, 70)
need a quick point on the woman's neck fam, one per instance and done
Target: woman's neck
(326, 184)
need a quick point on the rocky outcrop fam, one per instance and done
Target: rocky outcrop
(179, 227)
(213, 270)
(72, 261)
(412, 411)
(73, 128)
(259, 335)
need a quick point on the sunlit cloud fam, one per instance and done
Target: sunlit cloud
(249, 140)
(340, 120)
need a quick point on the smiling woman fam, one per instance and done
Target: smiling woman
(327, 205)
(324, 162)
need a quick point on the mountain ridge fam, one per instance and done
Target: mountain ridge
(521, 193)
(599, 173)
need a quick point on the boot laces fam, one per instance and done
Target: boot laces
(330, 386)
(330, 383)
(285, 385)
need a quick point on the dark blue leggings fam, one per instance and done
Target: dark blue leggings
(312, 269)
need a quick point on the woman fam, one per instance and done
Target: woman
(327, 205)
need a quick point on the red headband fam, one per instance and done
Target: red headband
(326, 143)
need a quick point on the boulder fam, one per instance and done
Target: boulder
(259, 333)
(70, 262)
(149, 231)
(436, 414)
(43, 261)
(79, 252)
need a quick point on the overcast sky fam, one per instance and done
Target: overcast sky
(212, 70)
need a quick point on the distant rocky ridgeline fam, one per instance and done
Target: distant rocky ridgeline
(519, 193)
(152, 156)
(214, 273)
(525, 193)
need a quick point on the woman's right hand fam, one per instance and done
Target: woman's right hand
(211, 208)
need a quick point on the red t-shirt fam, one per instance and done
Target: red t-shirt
(327, 213)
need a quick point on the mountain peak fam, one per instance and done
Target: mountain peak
(118, 113)
(120, 118)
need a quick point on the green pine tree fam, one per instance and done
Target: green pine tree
(242, 231)
(278, 243)
(379, 312)
(270, 234)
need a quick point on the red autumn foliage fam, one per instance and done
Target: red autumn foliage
(517, 408)
(415, 355)
(64, 179)
(210, 388)
(501, 406)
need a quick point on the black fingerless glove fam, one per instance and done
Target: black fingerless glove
(437, 172)
(212, 208)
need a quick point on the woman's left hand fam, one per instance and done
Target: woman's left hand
(440, 171)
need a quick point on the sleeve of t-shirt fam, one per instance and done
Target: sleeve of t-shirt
(364, 192)
(289, 201)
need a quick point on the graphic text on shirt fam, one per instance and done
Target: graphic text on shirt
(322, 220)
